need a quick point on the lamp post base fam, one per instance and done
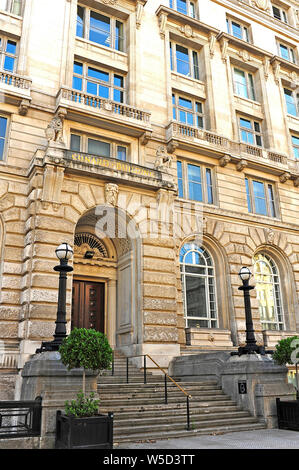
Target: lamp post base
(251, 349)
(48, 346)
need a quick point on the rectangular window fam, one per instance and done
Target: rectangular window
(186, 7)
(12, 6)
(295, 143)
(286, 52)
(3, 130)
(236, 29)
(250, 132)
(279, 14)
(260, 197)
(187, 111)
(101, 148)
(199, 182)
(184, 61)
(101, 29)
(98, 82)
(291, 99)
(243, 84)
(8, 52)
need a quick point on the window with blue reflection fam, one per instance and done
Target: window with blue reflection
(248, 195)
(290, 102)
(295, 142)
(259, 198)
(121, 153)
(182, 60)
(180, 179)
(99, 29)
(3, 128)
(194, 182)
(209, 186)
(80, 22)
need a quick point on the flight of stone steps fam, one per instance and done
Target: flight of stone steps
(141, 415)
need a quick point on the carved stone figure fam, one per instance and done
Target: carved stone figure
(262, 4)
(163, 160)
(54, 130)
(111, 193)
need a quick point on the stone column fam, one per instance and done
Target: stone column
(111, 312)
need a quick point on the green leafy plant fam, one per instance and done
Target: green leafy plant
(287, 352)
(83, 406)
(88, 349)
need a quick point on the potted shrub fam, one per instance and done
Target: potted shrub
(287, 352)
(81, 426)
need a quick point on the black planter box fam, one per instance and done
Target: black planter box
(94, 432)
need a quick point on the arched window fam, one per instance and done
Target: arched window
(198, 282)
(268, 292)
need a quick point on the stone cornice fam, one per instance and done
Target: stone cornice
(243, 45)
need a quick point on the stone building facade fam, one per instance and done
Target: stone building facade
(161, 141)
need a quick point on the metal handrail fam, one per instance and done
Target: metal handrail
(166, 376)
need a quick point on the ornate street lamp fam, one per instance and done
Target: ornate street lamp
(63, 252)
(251, 347)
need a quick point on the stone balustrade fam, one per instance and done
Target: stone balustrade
(15, 80)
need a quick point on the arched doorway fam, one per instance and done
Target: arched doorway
(106, 276)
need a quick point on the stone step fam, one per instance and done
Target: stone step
(149, 437)
(148, 401)
(172, 410)
(172, 426)
(188, 386)
(196, 417)
(159, 394)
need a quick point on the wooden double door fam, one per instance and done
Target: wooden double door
(88, 306)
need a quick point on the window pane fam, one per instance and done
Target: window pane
(119, 36)
(99, 29)
(196, 296)
(80, 22)
(75, 142)
(78, 68)
(245, 123)
(99, 74)
(182, 6)
(121, 153)
(118, 80)
(194, 183)
(103, 91)
(271, 201)
(240, 83)
(209, 186)
(290, 102)
(276, 13)
(295, 142)
(11, 47)
(16, 7)
(236, 30)
(3, 126)
(2, 143)
(97, 147)
(118, 96)
(195, 65)
(284, 52)
(77, 83)
(92, 88)
(259, 198)
(9, 63)
(180, 179)
(182, 60)
(248, 195)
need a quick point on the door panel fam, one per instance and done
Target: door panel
(88, 305)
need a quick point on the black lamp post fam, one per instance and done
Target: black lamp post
(64, 252)
(251, 347)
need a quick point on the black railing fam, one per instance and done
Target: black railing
(20, 418)
(166, 376)
(288, 414)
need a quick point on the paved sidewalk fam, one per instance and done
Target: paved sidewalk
(260, 439)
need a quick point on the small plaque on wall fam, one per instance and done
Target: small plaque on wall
(242, 387)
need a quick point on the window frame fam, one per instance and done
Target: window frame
(244, 29)
(207, 183)
(282, 13)
(83, 144)
(295, 101)
(295, 146)
(112, 30)
(10, 4)
(192, 54)
(196, 115)
(110, 84)
(173, 4)
(210, 287)
(276, 289)
(5, 138)
(271, 204)
(256, 134)
(291, 52)
(249, 82)
(3, 53)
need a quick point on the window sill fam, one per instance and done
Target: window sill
(254, 106)
(188, 80)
